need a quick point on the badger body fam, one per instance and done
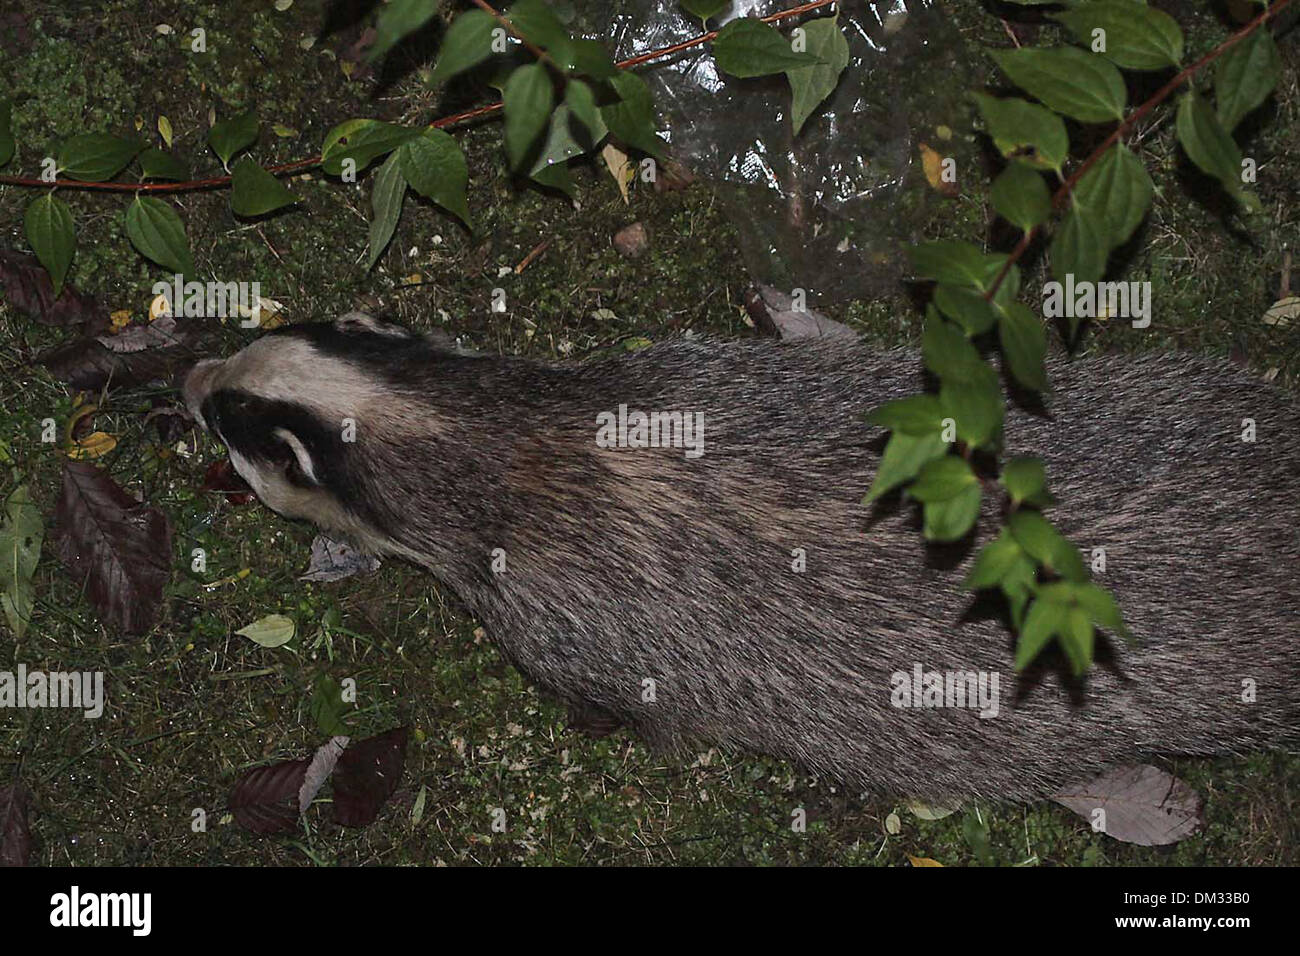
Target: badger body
(746, 597)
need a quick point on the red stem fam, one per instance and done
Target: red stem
(196, 184)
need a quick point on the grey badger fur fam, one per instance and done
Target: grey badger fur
(627, 565)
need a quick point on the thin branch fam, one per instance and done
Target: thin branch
(452, 120)
(1061, 194)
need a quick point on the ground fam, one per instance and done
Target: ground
(193, 705)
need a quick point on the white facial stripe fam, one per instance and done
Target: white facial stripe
(291, 370)
(299, 451)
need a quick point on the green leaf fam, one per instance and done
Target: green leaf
(155, 164)
(435, 167)
(589, 58)
(1017, 586)
(581, 102)
(1044, 544)
(327, 707)
(974, 402)
(362, 141)
(538, 24)
(1044, 620)
(967, 307)
(1024, 346)
(942, 479)
(1119, 189)
(1024, 130)
(1020, 196)
(49, 230)
(560, 146)
(946, 352)
(556, 176)
(951, 518)
(914, 415)
(96, 157)
(7, 144)
(467, 44)
(274, 630)
(903, 458)
(1080, 85)
(397, 20)
(1137, 37)
(528, 99)
(21, 535)
(255, 192)
(813, 83)
(632, 117)
(1080, 245)
(749, 47)
(1101, 607)
(1243, 77)
(1208, 144)
(232, 136)
(993, 562)
(1026, 481)
(157, 233)
(955, 262)
(704, 9)
(1077, 638)
(386, 197)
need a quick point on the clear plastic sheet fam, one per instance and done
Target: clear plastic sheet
(826, 211)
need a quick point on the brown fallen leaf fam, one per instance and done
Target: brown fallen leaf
(922, 861)
(27, 287)
(265, 799)
(131, 358)
(120, 548)
(366, 776)
(1138, 804)
(15, 830)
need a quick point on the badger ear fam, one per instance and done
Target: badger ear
(360, 321)
(302, 468)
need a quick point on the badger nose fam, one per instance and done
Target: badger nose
(198, 383)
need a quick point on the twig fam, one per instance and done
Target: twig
(1058, 199)
(491, 108)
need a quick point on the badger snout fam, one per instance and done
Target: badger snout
(198, 385)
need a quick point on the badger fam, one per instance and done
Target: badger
(745, 596)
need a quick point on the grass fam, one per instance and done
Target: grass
(191, 705)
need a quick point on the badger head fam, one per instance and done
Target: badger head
(298, 407)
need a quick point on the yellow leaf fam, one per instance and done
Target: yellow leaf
(413, 279)
(933, 165)
(79, 411)
(159, 307)
(119, 320)
(165, 130)
(94, 445)
(923, 861)
(620, 167)
(1283, 311)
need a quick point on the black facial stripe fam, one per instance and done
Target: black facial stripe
(247, 423)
